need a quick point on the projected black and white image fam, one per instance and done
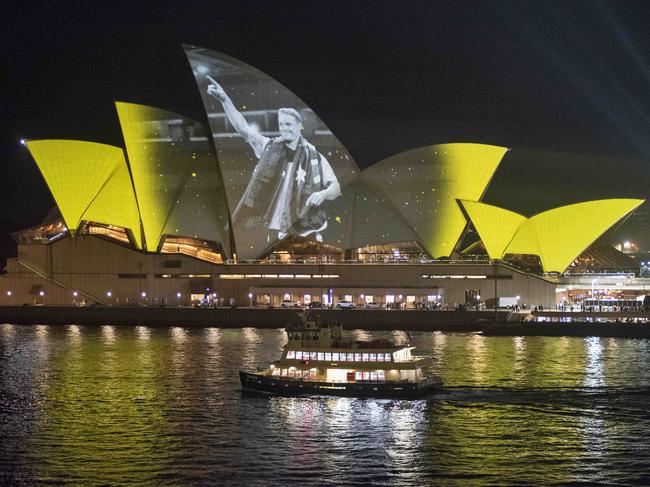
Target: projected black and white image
(291, 179)
(283, 169)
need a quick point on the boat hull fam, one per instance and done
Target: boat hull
(296, 387)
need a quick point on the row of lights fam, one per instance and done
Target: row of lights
(108, 293)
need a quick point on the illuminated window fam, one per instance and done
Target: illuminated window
(365, 357)
(366, 375)
(381, 375)
(286, 276)
(276, 372)
(335, 357)
(291, 354)
(358, 376)
(350, 357)
(321, 356)
(303, 276)
(284, 372)
(312, 373)
(373, 357)
(347, 297)
(387, 357)
(328, 357)
(357, 357)
(373, 375)
(313, 355)
(298, 355)
(380, 357)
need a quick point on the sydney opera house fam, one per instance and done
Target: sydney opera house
(263, 203)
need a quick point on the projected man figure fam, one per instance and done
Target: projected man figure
(291, 180)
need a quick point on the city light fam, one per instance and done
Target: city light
(144, 295)
(8, 293)
(109, 294)
(41, 293)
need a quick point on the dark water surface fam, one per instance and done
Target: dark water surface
(139, 405)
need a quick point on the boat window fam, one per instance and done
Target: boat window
(387, 357)
(276, 371)
(380, 357)
(373, 375)
(292, 372)
(313, 355)
(305, 374)
(366, 375)
(284, 372)
(335, 356)
(312, 373)
(357, 376)
(328, 356)
(299, 355)
(381, 375)
(373, 357)
(365, 357)
(291, 354)
(357, 357)
(321, 356)
(350, 357)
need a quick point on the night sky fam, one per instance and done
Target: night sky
(565, 85)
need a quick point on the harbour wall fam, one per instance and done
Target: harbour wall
(415, 320)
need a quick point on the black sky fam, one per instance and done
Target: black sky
(565, 84)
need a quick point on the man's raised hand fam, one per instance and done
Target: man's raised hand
(215, 89)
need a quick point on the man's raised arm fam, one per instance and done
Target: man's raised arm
(236, 119)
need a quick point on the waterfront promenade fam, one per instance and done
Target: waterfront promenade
(548, 323)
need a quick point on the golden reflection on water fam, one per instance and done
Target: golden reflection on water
(108, 335)
(7, 331)
(142, 333)
(74, 334)
(102, 411)
(477, 355)
(41, 332)
(133, 409)
(594, 364)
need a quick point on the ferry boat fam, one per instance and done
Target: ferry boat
(317, 360)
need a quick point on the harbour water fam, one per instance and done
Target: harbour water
(89, 405)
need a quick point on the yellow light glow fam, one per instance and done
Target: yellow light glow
(560, 235)
(423, 186)
(495, 226)
(179, 189)
(87, 178)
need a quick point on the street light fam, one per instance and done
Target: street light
(250, 299)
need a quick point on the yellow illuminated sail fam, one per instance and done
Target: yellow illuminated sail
(77, 172)
(560, 235)
(495, 226)
(176, 176)
(423, 185)
(115, 204)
